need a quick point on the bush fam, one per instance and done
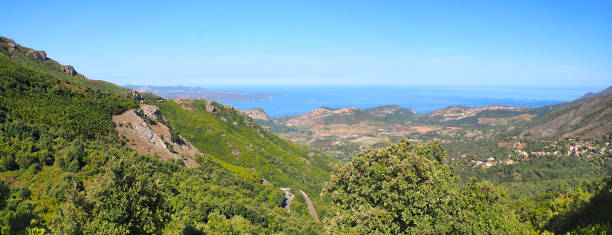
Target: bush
(406, 188)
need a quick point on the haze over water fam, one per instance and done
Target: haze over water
(423, 99)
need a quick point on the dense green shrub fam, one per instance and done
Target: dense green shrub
(38, 97)
(406, 188)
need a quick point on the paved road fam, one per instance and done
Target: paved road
(311, 208)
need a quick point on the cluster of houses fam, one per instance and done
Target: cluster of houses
(491, 162)
(576, 148)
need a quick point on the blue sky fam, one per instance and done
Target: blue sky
(245, 43)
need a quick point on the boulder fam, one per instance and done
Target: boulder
(37, 55)
(136, 95)
(210, 107)
(68, 69)
(11, 47)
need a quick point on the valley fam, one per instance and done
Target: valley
(477, 139)
(80, 156)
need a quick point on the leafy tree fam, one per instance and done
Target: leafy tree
(406, 188)
(218, 224)
(127, 199)
(16, 210)
(579, 210)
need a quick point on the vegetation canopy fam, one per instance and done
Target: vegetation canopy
(407, 188)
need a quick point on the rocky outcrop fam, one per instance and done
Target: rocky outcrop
(288, 198)
(210, 107)
(136, 95)
(256, 113)
(68, 69)
(153, 138)
(11, 46)
(37, 55)
(185, 103)
(151, 111)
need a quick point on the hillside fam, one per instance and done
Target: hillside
(587, 117)
(225, 134)
(603, 92)
(79, 156)
(73, 160)
(342, 133)
(39, 60)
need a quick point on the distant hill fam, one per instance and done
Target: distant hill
(171, 92)
(393, 120)
(589, 116)
(604, 92)
(488, 115)
(347, 116)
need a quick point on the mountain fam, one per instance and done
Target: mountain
(86, 156)
(344, 132)
(603, 92)
(590, 116)
(454, 113)
(322, 119)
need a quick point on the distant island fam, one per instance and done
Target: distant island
(171, 92)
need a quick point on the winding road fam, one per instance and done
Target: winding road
(311, 208)
(289, 197)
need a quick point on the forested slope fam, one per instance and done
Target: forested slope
(225, 134)
(64, 170)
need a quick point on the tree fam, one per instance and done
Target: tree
(407, 188)
(128, 198)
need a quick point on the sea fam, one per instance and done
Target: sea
(293, 100)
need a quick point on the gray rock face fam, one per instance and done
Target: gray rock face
(136, 95)
(37, 55)
(11, 47)
(68, 69)
(210, 107)
(256, 113)
(150, 111)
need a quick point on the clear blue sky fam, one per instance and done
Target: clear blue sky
(228, 43)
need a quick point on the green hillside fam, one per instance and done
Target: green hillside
(64, 170)
(233, 138)
(26, 57)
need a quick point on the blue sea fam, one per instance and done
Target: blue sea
(422, 99)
